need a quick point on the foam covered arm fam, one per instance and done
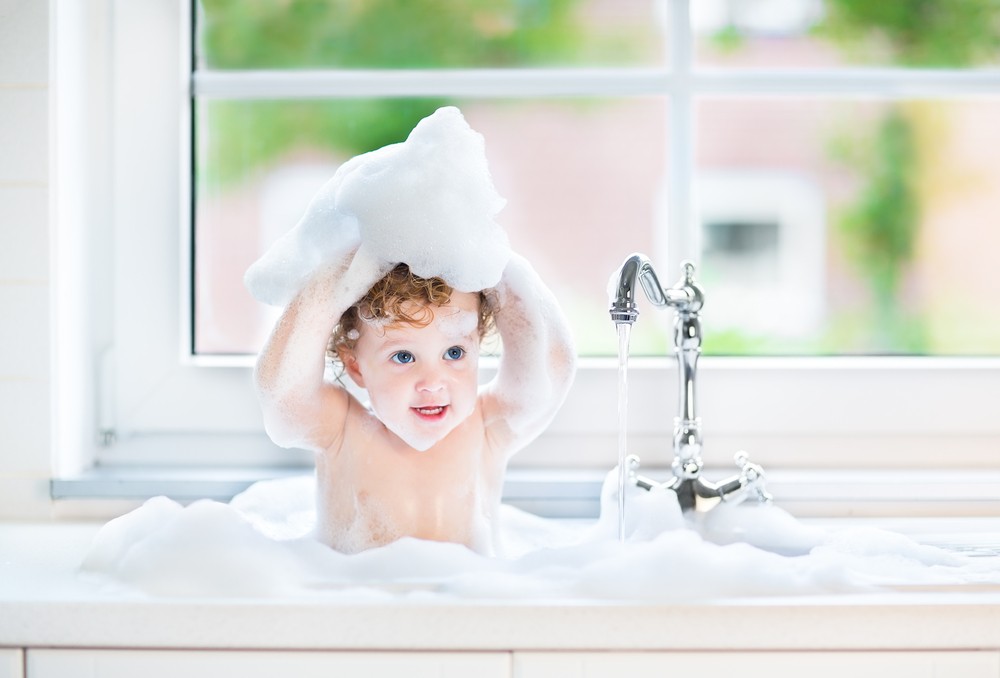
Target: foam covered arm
(300, 409)
(538, 360)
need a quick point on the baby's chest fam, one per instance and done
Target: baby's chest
(387, 498)
(417, 475)
(373, 456)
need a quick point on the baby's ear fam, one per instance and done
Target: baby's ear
(351, 367)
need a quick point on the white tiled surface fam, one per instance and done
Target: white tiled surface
(24, 422)
(24, 269)
(24, 496)
(24, 41)
(24, 134)
(24, 231)
(24, 340)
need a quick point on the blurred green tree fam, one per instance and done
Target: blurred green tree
(882, 227)
(359, 34)
(925, 33)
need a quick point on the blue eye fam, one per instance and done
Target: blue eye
(454, 353)
(402, 357)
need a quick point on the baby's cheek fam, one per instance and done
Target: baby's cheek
(470, 398)
(465, 408)
(467, 365)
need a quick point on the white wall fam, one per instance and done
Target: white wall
(24, 259)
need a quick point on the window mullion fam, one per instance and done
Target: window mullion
(684, 78)
(887, 82)
(682, 238)
(485, 83)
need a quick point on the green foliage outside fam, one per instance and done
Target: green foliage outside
(244, 136)
(921, 33)
(882, 227)
(879, 231)
(295, 34)
(354, 34)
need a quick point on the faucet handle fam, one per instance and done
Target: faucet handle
(687, 272)
(752, 476)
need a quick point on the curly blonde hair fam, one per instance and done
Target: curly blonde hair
(387, 302)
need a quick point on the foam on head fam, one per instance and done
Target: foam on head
(456, 322)
(428, 202)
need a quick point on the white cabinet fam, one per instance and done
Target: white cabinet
(11, 663)
(254, 664)
(758, 664)
(301, 664)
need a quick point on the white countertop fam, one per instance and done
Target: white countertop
(44, 603)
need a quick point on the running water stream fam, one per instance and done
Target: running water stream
(624, 332)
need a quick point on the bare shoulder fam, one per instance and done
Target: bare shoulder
(336, 406)
(357, 417)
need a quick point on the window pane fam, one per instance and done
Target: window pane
(825, 33)
(255, 34)
(584, 182)
(849, 227)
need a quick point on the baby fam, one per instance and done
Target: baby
(426, 456)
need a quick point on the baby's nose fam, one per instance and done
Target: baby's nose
(430, 381)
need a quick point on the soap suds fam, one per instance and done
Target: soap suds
(428, 202)
(457, 323)
(260, 545)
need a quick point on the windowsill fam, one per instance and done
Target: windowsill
(564, 493)
(44, 603)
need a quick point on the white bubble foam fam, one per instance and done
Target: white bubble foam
(428, 202)
(259, 546)
(456, 322)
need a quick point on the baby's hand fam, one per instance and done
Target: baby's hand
(355, 274)
(323, 242)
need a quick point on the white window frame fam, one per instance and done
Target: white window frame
(141, 390)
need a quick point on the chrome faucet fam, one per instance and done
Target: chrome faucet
(687, 299)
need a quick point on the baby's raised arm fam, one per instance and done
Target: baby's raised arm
(300, 409)
(537, 364)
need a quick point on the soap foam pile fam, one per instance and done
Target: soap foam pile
(259, 546)
(428, 202)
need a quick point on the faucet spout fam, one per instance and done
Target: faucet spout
(637, 268)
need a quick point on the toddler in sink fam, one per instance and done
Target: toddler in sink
(400, 272)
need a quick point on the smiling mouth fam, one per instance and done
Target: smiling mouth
(435, 412)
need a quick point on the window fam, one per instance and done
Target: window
(565, 94)
(670, 127)
(858, 269)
